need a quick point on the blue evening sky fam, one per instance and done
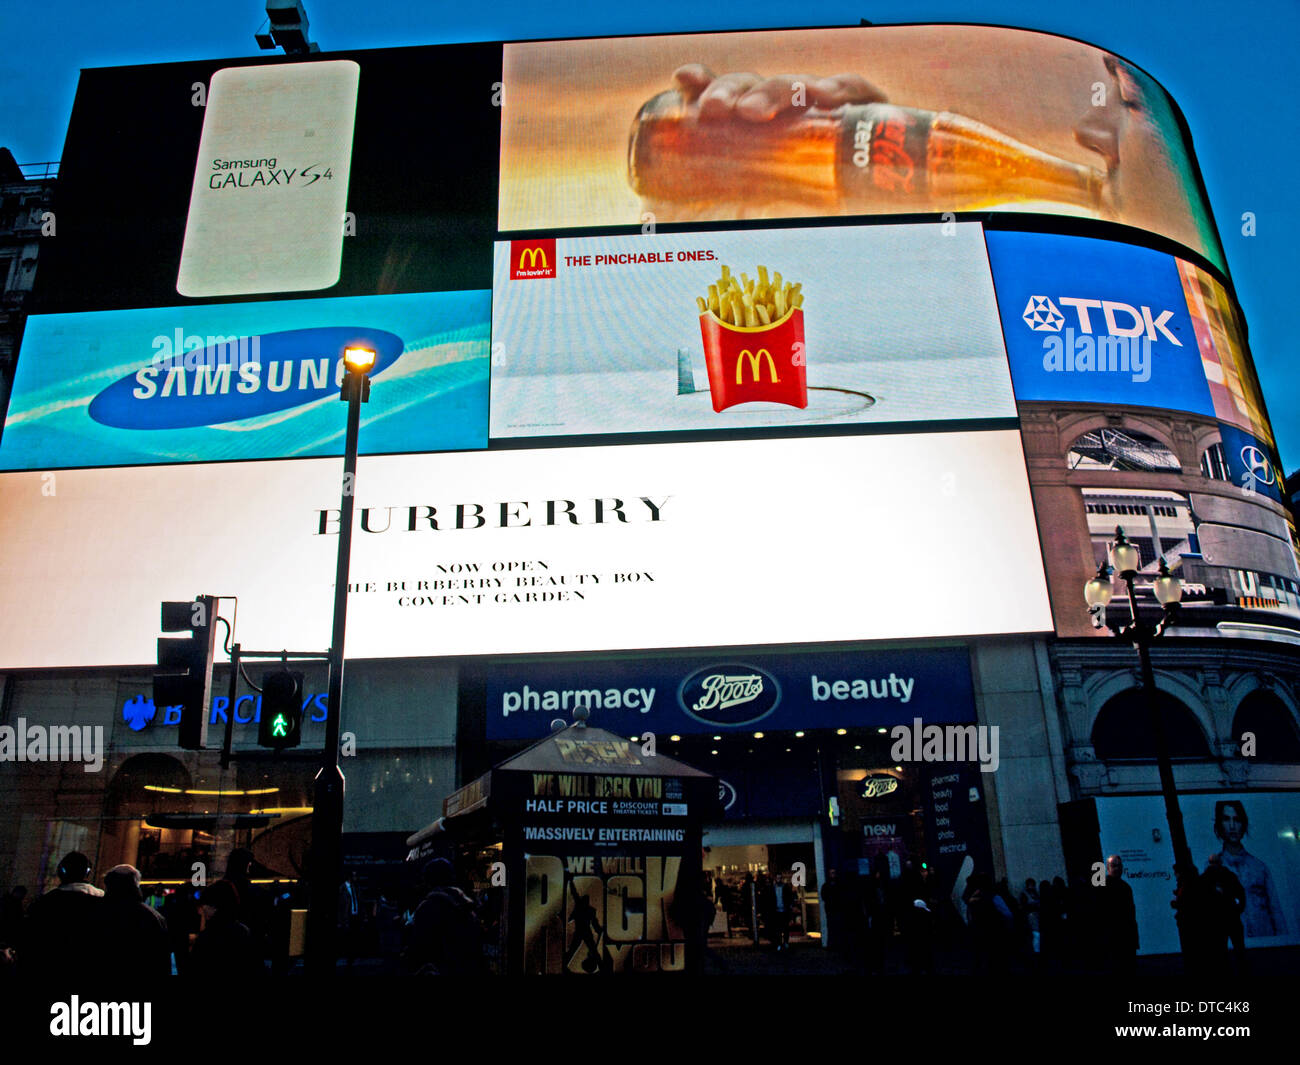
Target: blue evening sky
(1231, 67)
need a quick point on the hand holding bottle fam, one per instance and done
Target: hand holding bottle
(740, 144)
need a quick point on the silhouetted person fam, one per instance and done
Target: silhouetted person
(351, 916)
(64, 930)
(1229, 903)
(1031, 907)
(136, 943)
(834, 920)
(782, 911)
(446, 937)
(11, 916)
(984, 923)
(918, 936)
(877, 917)
(225, 948)
(1119, 925)
(1195, 904)
(254, 902)
(181, 912)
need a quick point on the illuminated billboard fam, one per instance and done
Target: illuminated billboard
(590, 548)
(1253, 833)
(268, 204)
(1142, 410)
(868, 327)
(254, 177)
(222, 382)
(876, 120)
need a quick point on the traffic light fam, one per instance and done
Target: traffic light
(281, 722)
(192, 655)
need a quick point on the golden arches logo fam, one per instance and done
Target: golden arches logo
(755, 367)
(531, 255)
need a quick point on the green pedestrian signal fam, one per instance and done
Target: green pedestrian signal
(280, 724)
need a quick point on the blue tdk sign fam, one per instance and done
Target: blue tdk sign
(1093, 321)
(196, 381)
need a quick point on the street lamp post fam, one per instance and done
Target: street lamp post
(1125, 558)
(327, 811)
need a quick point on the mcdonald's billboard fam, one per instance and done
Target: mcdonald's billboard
(884, 328)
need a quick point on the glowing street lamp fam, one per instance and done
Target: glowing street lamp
(327, 815)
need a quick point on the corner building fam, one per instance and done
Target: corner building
(781, 448)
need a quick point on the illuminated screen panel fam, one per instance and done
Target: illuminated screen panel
(271, 182)
(605, 335)
(222, 382)
(1142, 411)
(921, 119)
(593, 548)
(261, 176)
(1252, 832)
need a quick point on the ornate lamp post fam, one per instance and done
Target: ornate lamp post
(1125, 559)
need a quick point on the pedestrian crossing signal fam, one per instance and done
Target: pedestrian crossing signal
(280, 725)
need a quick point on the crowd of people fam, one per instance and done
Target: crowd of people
(234, 927)
(1049, 925)
(222, 929)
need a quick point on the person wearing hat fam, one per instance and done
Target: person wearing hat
(225, 948)
(65, 928)
(136, 943)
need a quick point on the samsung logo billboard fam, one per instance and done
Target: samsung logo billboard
(197, 381)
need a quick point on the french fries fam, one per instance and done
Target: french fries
(750, 302)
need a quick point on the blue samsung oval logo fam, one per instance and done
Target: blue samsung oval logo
(729, 695)
(231, 378)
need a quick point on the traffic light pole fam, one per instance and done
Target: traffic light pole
(327, 812)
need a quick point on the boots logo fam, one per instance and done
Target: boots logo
(729, 694)
(532, 258)
(195, 381)
(1121, 319)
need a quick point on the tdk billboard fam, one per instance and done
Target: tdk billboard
(1091, 321)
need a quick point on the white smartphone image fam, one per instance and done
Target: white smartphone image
(271, 181)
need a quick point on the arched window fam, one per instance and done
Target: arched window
(1214, 464)
(1120, 449)
(1122, 731)
(1264, 715)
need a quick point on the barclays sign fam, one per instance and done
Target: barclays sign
(139, 712)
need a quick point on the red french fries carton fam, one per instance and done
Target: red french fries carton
(749, 363)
